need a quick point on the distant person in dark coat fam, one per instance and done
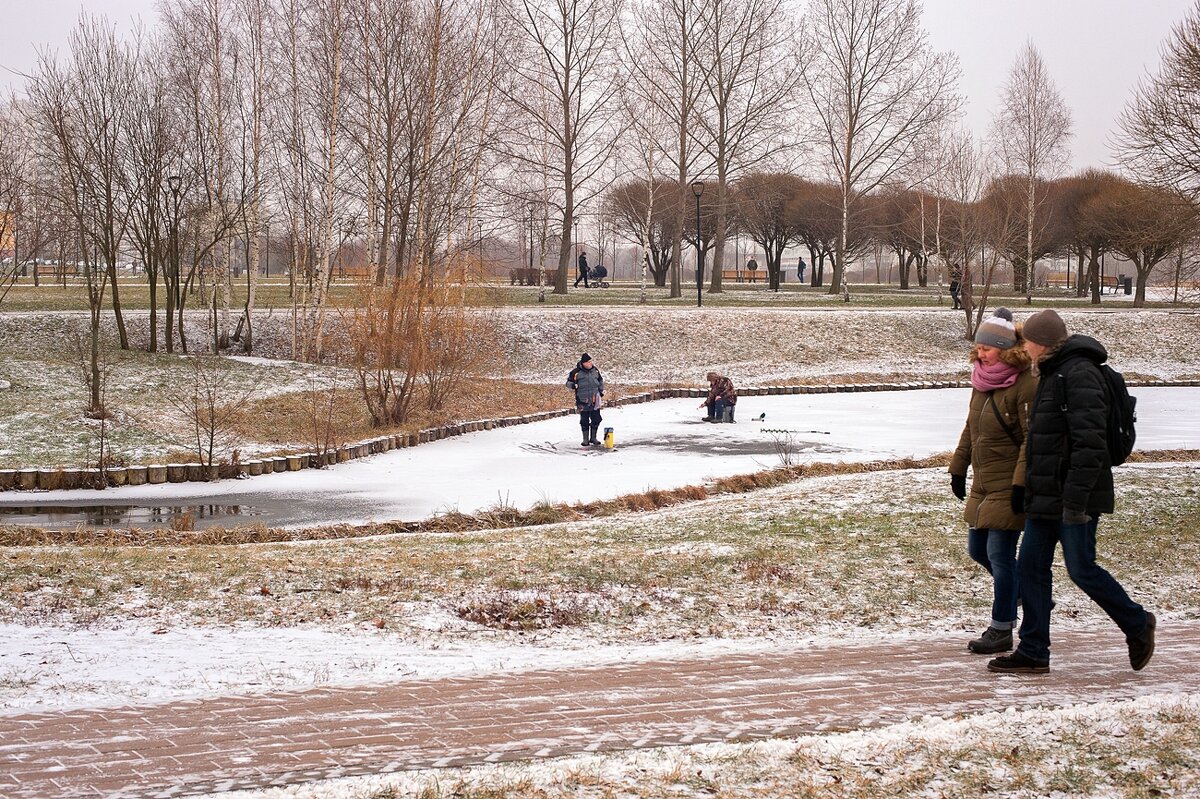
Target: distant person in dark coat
(588, 383)
(956, 275)
(800, 268)
(1068, 484)
(583, 270)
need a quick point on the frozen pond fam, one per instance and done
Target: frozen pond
(661, 444)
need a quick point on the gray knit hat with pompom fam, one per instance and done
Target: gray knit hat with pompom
(997, 330)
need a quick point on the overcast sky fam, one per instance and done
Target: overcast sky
(1095, 49)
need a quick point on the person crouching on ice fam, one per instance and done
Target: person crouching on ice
(722, 396)
(588, 383)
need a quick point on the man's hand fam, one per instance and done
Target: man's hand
(1075, 516)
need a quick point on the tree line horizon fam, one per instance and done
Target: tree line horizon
(415, 129)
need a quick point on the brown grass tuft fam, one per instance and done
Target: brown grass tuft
(510, 611)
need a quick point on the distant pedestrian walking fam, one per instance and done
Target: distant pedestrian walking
(956, 276)
(583, 270)
(1068, 484)
(588, 384)
(992, 444)
(800, 265)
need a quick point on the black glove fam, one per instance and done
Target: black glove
(1073, 516)
(1016, 500)
(958, 484)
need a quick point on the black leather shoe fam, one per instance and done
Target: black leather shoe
(1016, 663)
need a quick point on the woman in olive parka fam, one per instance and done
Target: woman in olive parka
(993, 445)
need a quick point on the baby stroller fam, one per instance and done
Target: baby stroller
(597, 275)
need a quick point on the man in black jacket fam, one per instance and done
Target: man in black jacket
(1068, 484)
(583, 270)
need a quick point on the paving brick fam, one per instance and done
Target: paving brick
(200, 746)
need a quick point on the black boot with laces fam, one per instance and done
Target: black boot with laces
(991, 642)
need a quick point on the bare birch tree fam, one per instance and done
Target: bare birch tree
(660, 55)
(748, 60)
(567, 57)
(1030, 134)
(877, 90)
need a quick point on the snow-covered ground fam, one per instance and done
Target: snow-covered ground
(659, 445)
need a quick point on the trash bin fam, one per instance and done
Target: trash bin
(1128, 285)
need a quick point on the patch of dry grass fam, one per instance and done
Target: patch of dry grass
(818, 555)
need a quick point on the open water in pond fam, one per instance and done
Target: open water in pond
(67, 517)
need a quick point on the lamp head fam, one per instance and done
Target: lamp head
(174, 182)
(697, 187)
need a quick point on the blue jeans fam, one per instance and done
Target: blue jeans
(996, 551)
(1042, 536)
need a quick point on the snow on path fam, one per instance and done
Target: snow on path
(659, 445)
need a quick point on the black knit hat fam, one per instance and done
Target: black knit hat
(584, 358)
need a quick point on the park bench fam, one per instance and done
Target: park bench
(1110, 283)
(744, 275)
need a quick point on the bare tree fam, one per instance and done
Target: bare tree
(877, 90)
(12, 198)
(1146, 225)
(1160, 126)
(658, 41)
(84, 109)
(1085, 198)
(561, 92)
(645, 213)
(749, 66)
(1030, 134)
(767, 206)
(153, 149)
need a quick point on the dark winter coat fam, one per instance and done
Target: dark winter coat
(1066, 458)
(722, 387)
(588, 385)
(997, 461)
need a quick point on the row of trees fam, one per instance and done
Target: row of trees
(406, 126)
(1081, 217)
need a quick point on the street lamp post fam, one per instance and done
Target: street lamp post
(697, 190)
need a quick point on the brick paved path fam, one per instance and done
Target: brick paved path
(256, 741)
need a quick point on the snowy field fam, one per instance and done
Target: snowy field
(126, 632)
(661, 445)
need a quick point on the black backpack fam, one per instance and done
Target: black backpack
(1122, 412)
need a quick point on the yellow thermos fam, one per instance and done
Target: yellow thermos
(609, 439)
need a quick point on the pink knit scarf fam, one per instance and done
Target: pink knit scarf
(990, 378)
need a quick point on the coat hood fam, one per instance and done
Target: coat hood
(1076, 346)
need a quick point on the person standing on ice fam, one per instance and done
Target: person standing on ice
(993, 445)
(588, 383)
